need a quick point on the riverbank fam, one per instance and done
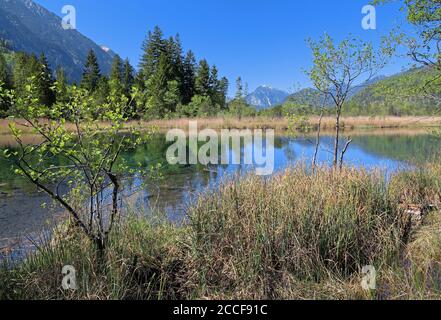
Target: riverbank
(295, 236)
(278, 124)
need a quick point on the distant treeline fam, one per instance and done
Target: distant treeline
(168, 84)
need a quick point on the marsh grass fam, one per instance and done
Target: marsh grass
(278, 124)
(296, 235)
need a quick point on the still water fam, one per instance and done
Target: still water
(21, 213)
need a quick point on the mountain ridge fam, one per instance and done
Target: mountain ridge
(29, 27)
(265, 97)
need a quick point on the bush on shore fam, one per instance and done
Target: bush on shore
(297, 235)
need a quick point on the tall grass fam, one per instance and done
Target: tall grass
(297, 235)
(279, 124)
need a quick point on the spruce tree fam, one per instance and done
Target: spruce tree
(153, 47)
(188, 78)
(202, 83)
(116, 76)
(239, 89)
(91, 73)
(157, 87)
(45, 82)
(128, 77)
(223, 90)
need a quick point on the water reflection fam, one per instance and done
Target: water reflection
(21, 214)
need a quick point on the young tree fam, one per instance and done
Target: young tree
(338, 69)
(91, 73)
(425, 47)
(91, 166)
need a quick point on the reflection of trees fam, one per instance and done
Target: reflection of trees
(417, 149)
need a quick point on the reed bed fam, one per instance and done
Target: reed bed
(278, 124)
(297, 235)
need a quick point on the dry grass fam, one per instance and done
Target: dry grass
(278, 124)
(281, 124)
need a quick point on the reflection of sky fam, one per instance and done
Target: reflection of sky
(287, 152)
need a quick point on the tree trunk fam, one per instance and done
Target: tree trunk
(317, 145)
(337, 136)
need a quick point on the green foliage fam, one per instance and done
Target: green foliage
(61, 86)
(168, 81)
(410, 93)
(91, 165)
(91, 73)
(202, 82)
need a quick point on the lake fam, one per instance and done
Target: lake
(21, 213)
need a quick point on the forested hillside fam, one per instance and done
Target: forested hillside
(414, 92)
(30, 28)
(169, 83)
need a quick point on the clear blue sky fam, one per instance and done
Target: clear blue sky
(261, 40)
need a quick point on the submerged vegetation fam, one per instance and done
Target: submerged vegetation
(297, 235)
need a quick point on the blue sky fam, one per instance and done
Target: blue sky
(263, 41)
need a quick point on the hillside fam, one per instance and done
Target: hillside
(412, 92)
(405, 93)
(31, 28)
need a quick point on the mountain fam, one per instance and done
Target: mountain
(29, 27)
(266, 97)
(314, 98)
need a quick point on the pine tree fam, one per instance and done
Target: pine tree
(239, 89)
(174, 50)
(223, 89)
(45, 82)
(157, 88)
(202, 83)
(116, 76)
(153, 47)
(128, 77)
(91, 73)
(188, 78)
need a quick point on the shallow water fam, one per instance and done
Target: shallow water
(21, 213)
